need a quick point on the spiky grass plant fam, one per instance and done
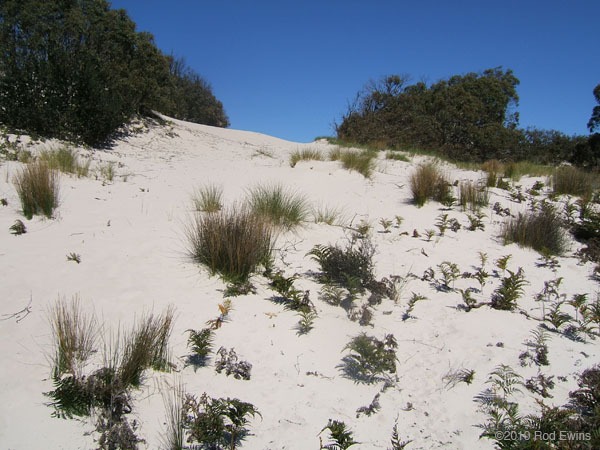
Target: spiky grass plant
(208, 198)
(37, 187)
(74, 335)
(174, 436)
(428, 182)
(574, 181)
(282, 207)
(473, 196)
(306, 154)
(396, 156)
(360, 161)
(232, 242)
(326, 214)
(66, 160)
(541, 230)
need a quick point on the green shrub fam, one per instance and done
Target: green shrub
(279, 206)
(370, 358)
(573, 181)
(208, 198)
(427, 182)
(306, 154)
(232, 242)
(37, 188)
(541, 230)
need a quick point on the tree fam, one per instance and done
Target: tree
(594, 122)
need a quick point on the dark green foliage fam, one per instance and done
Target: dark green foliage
(346, 265)
(369, 358)
(510, 290)
(466, 117)
(339, 434)
(541, 230)
(217, 423)
(18, 228)
(594, 122)
(79, 70)
(200, 343)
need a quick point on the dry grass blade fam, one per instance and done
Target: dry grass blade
(37, 187)
(74, 334)
(173, 399)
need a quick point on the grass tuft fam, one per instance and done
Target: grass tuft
(65, 160)
(574, 181)
(279, 206)
(37, 188)
(208, 198)
(473, 195)
(306, 154)
(232, 242)
(541, 230)
(427, 182)
(361, 161)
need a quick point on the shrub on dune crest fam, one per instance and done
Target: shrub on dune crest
(232, 242)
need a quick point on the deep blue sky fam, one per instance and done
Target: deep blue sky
(288, 68)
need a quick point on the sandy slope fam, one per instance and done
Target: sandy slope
(129, 233)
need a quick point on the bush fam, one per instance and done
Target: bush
(277, 205)
(574, 181)
(232, 242)
(37, 188)
(306, 154)
(427, 182)
(541, 230)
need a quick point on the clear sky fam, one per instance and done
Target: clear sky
(288, 68)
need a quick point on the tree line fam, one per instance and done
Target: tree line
(77, 69)
(470, 117)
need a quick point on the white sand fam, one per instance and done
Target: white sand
(139, 264)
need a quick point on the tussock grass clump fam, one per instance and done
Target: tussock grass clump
(306, 154)
(283, 208)
(397, 156)
(232, 242)
(66, 160)
(361, 161)
(208, 198)
(37, 188)
(74, 336)
(473, 195)
(326, 214)
(516, 170)
(541, 230)
(428, 182)
(494, 171)
(574, 181)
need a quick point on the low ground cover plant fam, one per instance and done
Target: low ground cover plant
(37, 187)
(232, 242)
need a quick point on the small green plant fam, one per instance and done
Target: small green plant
(340, 436)
(476, 221)
(37, 187)
(307, 319)
(107, 170)
(370, 358)
(224, 310)
(74, 257)
(360, 161)
(399, 220)
(540, 384)
(3, 202)
(66, 160)
(18, 228)
(217, 423)
(502, 263)
(325, 215)
(386, 224)
(538, 349)
(556, 317)
(442, 223)
(208, 198)
(294, 298)
(200, 343)
(473, 196)
(411, 304)
(450, 273)
(429, 233)
(306, 154)
(281, 207)
(397, 444)
(452, 378)
(505, 297)
(396, 156)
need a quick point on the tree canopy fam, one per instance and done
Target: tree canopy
(77, 69)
